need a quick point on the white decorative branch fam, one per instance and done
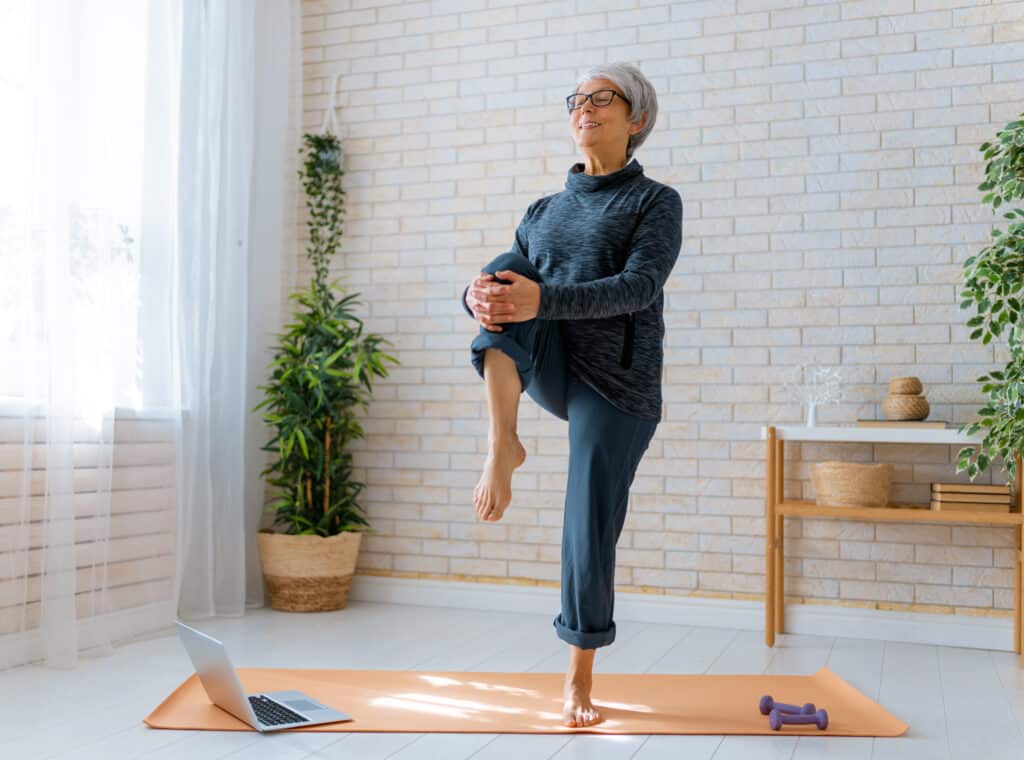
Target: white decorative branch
(814, 386)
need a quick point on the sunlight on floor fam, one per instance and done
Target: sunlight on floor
(415, 700)
(402, 704)
(622, 706)
(445, 681)
(505, 689)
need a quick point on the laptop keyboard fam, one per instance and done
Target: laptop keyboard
(271, 713)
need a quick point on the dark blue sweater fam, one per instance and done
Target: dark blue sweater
(605, 247)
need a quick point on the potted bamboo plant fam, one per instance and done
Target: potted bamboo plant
(994, 285)
(323, 367)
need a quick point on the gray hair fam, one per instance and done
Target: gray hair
(637, 88)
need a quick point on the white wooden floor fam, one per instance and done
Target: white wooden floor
(960, 703)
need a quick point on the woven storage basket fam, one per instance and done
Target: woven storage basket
(849, 484)
(308, 573)
(911, 385)
(905, 407)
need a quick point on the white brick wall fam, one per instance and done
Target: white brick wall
(141, 530)
(826, 153)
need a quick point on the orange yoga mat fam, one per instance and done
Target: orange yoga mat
(530, 703)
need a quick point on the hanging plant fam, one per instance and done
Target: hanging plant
(323, 368)
(993, 284)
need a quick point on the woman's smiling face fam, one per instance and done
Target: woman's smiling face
(612, 120)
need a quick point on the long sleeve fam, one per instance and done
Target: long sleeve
(520, 244)
(653, 251)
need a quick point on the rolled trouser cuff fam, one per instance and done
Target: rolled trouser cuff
(509, 346)
(583, 639)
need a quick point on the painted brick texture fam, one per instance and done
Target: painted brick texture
(827, 157)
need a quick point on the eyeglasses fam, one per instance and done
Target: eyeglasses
(599, 98)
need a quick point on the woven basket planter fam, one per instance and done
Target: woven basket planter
(905, 385)
(905, 407)
(850, 484)
(308, 573)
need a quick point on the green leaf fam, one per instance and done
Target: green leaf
(334, 357)
(302, 441)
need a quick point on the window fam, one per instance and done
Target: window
(72, 84)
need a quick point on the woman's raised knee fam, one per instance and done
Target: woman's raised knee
(514, 262)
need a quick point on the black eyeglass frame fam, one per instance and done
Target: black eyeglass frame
(590, 96)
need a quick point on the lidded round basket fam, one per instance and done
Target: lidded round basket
(905, 407)
(905, 385)
(851, 484)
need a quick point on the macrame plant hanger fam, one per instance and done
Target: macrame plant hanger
(329, 113)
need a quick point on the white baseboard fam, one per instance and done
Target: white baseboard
(847, 622)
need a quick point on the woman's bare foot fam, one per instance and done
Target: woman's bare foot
(494, 491)
(579, 710)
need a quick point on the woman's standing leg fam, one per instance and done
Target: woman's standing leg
(605, 449)
(523, 356)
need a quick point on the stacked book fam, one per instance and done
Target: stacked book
(965, 497)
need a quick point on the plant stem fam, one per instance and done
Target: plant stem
(309, 491)
(327, 470)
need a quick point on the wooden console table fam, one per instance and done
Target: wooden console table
(777, 508)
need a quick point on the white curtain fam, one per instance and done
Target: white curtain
(240, 118)
(147, 231)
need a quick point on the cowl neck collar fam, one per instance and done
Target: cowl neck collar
(578, 181)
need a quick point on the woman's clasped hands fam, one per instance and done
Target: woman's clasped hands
(494, 303)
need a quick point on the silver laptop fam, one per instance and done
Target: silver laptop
(270, 711)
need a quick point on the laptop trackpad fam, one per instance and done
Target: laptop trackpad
(302, 705)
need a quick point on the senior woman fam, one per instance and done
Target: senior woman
(572, 314)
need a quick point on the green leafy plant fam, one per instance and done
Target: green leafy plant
(993, 284)
(323, 367)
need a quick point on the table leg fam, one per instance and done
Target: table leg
(1018, 564)
(1018, 591)
(780, 576)
(1018, 536)
(780, 558)
(769, 540)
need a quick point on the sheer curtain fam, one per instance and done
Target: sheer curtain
(147, 230)
(241, 102)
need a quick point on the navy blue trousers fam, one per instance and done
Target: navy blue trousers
(605, 448)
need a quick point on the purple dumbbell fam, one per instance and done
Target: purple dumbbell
(767, 704)
(776, 719)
